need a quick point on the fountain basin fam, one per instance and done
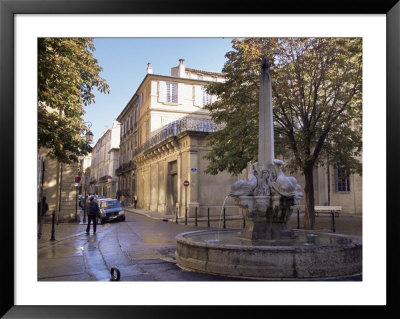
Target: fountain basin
(307, 255)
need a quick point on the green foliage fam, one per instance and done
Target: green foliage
(237, 107)
(317, 87)
(67, 74)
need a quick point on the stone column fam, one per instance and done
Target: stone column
(154, 186)
(180, 200)
(147, 187)
(193, 188)
(266, 128)
(162, 186)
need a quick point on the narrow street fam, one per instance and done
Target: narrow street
(143, 249)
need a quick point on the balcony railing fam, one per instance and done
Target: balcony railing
(105, 179)
(125, 168)
(177, 127)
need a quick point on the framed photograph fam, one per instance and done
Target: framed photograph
(23, 22)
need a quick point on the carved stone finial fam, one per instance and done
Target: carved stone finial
(265, 66)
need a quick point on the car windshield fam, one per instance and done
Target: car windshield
(110, 204)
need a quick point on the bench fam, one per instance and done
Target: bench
(327, 209)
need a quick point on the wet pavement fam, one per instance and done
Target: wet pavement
(142, 247)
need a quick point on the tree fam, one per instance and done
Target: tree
(317, 87)
(67, 74)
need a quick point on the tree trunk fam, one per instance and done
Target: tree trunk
(309, 214)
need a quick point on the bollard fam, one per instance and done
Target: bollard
(113, 277)
(244, 222)
(333, 222)
(195, 216)
(298, 218)
(224, 219)
(185, 215)
(52, 225)
(208, 217)
(176, 215)
(76, 205)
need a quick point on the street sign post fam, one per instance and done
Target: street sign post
(87, 182)
(186, 184)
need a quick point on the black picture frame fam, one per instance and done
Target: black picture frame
(8, 10)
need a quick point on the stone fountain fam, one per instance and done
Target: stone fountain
(267, 248)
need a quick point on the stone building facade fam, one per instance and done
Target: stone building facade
(129, 141)
(163, 142)
(333, 186)
(163, 130)
(56, 183)
(105, 157)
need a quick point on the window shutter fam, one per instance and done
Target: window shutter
(198, 96)
(162, 91)
(181, 92)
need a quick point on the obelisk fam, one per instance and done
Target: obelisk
(266, 128)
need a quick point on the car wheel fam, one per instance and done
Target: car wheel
(102, 221)
(123, 218)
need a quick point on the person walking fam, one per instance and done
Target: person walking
(43, 207)
(134, 200)
(92, 213)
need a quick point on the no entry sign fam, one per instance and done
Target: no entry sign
(186, 183)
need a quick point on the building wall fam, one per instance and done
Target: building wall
(58, 187)
(351, 202)
(154, 181)
(105, 161)
(205, 191)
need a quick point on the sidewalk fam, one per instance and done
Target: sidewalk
(345, 224)
(181, 220)
(62, 231)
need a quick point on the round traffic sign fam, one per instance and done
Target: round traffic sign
(186, 183)
(77, 179)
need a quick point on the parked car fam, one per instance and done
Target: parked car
(110, 209)
(96, 198)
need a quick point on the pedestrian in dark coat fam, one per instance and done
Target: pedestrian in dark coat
(43, 207)
(93, 212)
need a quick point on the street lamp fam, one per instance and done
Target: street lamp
(89, 135)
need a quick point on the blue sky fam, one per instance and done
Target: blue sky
(124, 62)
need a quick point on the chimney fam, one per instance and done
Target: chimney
(182, 70)
(149, 68)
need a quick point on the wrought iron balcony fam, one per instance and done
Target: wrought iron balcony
(125, 167)
(177, 127)
(105, 179)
